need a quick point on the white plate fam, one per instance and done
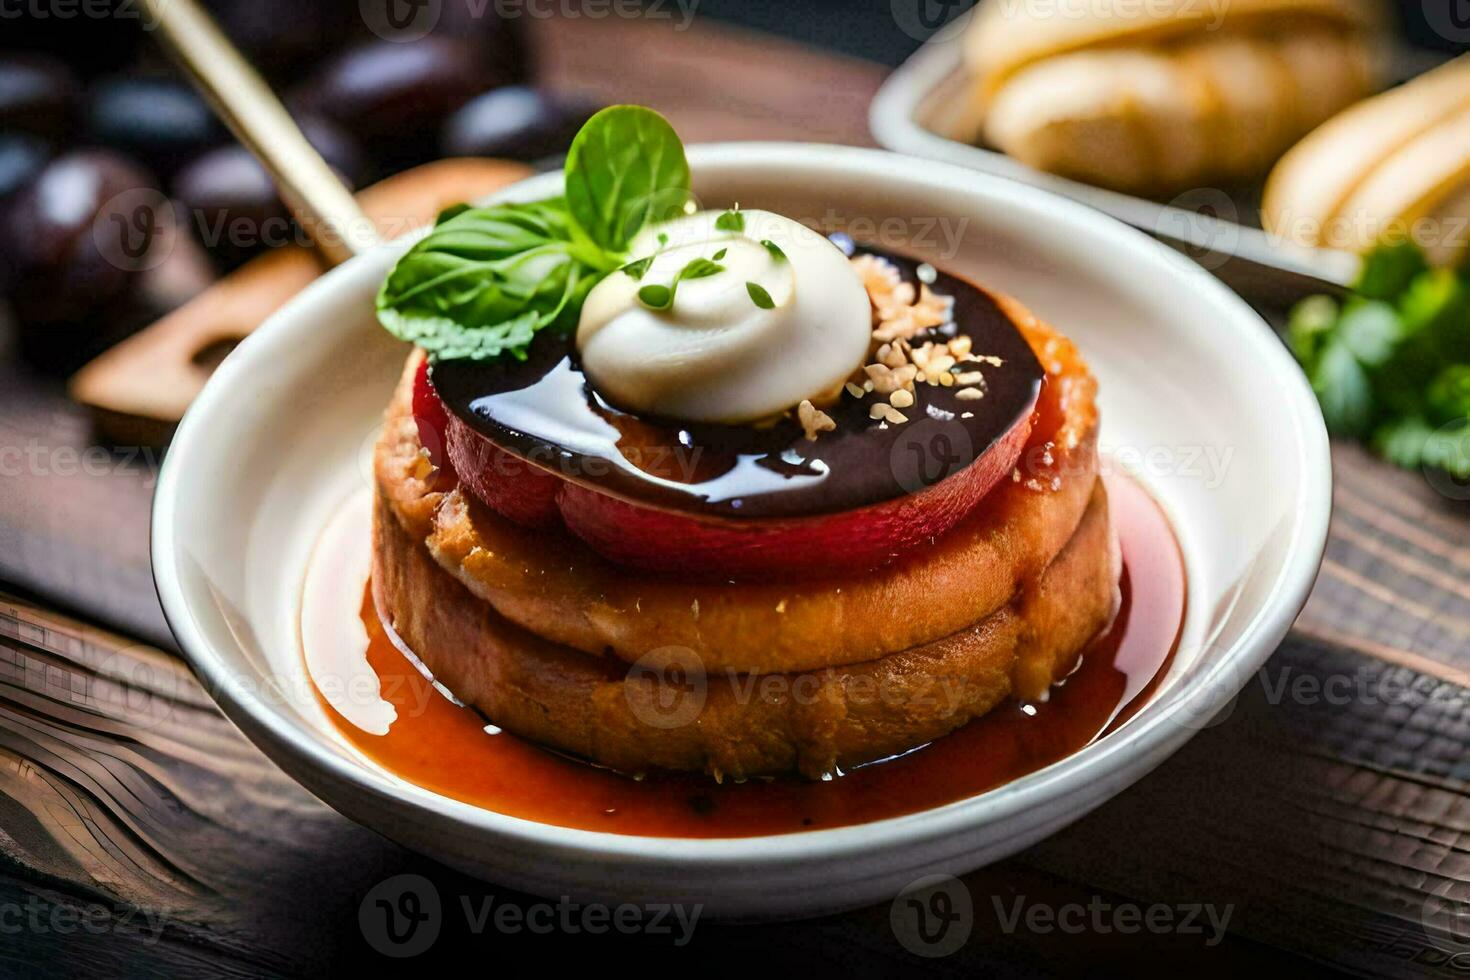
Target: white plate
(1189, 375)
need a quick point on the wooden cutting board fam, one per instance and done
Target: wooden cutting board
(140, 389)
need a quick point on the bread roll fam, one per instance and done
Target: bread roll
(1375, 172)
(1154, 97)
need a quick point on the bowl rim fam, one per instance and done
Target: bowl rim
(1147, 735)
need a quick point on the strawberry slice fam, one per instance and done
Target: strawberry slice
(664, 541)
(510, 486)
(430, 415)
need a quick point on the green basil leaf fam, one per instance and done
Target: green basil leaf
(730, 221)
(626, 169)
(1402, 440)
(774, 249)
(453, 211)
(1310, 324)
(1448, 450)
(759, 296)
(1413, 443)
(1388, 270)
(1343, 390)
(1371, 330)
(1449, 395)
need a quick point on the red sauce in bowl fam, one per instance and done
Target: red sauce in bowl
(449, 749)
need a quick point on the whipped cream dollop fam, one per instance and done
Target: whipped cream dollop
(784, 319)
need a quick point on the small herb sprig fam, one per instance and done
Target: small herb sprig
(485, 280)
(1391, 364)
(657, 296)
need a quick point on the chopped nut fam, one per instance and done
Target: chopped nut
(876, 410)
(814, 420)
(969, 394)
(854, 390)
(903, 317)
(940, 362)
(892, 355)
(960, 346)
(946, 379)
(920, 355)
(901, 398)
(969, 377)
(990, 359)
(887, 380)
(898, 313)
(891, 414)
(884, 284)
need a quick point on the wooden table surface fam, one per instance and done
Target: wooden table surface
(1327, 812)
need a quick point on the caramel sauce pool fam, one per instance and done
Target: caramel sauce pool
(441, 746)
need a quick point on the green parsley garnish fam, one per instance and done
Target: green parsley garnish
(759, 296)
(657, 297)
(731, 220)
(1391, 363)
(637, 270)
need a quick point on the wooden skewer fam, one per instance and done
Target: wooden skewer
(320, 202)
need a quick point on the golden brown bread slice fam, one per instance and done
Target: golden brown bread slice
(667, 712)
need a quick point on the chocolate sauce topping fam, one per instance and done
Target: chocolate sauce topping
(543, 409)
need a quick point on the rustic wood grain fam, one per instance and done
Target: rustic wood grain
(124, 791)
(1328, 807)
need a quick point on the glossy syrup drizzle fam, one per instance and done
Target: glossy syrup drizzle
(447, 748)
(543, 409)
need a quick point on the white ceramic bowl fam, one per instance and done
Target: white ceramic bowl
(1198, 396)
